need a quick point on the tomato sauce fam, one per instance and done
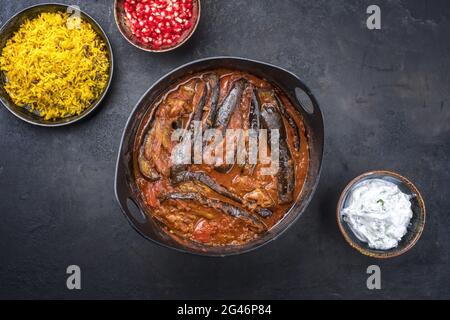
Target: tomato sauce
(219, 204)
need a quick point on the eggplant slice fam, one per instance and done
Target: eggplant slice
(224, 207)
(203, 178)
(272, 120)
(291, 121)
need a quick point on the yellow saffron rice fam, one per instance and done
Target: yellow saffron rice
(55, 66)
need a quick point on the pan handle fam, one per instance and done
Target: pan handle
(134, 212)
(126, 200)
(305, 100)
(297, 91)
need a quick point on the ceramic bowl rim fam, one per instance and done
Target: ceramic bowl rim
(366, 250)
(60, 121)
(179, 44)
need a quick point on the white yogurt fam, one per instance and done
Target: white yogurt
(378, 213)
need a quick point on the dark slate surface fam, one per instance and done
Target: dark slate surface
(386, 102)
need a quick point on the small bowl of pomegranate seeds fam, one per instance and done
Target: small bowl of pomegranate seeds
(157, 25)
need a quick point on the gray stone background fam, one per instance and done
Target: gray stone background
(386, 102)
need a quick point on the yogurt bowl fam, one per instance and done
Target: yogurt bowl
(414, 225)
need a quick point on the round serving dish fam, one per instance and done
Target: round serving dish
(128, 195)
(416, 225)
(121, 22)
(11, 26)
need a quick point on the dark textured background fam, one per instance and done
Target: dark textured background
(386, 102)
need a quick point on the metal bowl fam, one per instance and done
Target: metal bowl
(416, 225)
(119, 16)
(7, 31)
(126, 190)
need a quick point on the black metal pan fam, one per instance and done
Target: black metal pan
(126, 190)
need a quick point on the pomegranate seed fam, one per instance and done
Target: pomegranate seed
(159, 22)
